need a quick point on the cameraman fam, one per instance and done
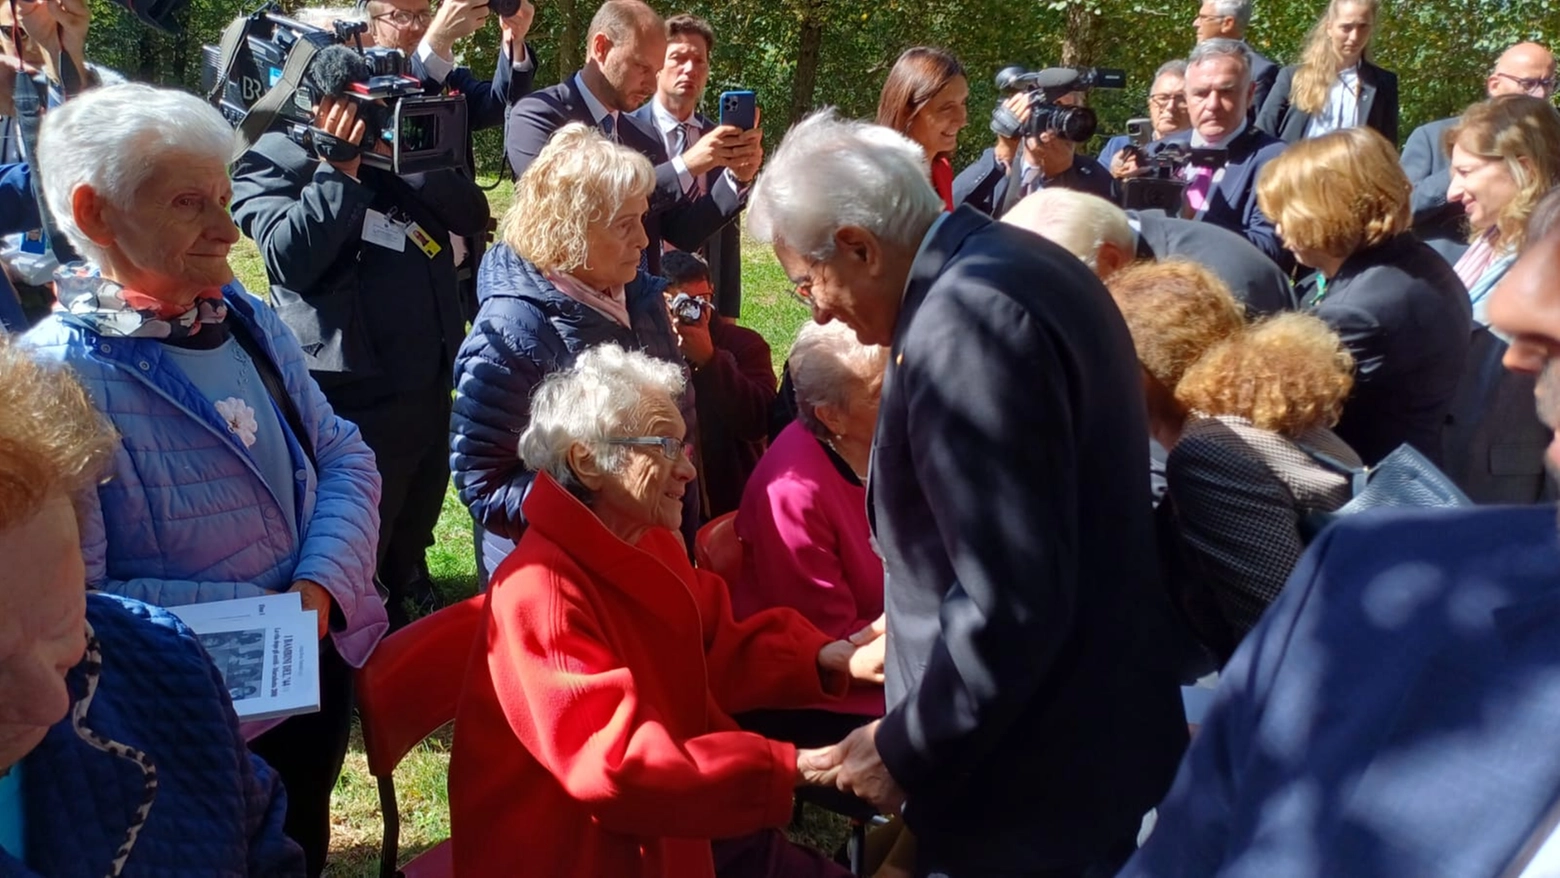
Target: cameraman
(362, 270)
(1044, 161)
(427, 39)
(733, 381)
(1167, 114)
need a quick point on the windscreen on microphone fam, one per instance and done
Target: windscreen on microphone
(332, 71)
(1055, 77)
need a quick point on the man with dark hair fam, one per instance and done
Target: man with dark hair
(1394, 711)
(733, 381)
(1017, 166)
(691, 139)
(624, 51)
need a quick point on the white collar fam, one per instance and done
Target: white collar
(598, 110)
(926, 241)
(664, 119)
(1199, 143)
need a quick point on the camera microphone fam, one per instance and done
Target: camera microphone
(333, 70)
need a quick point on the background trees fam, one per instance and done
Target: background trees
(800, 54)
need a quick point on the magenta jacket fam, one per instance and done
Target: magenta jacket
(803, 523)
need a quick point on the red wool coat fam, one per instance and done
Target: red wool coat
(593, 736)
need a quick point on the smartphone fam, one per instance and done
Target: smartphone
(1139, 130)
(739, 108)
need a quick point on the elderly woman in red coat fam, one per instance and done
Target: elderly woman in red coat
(594, 735)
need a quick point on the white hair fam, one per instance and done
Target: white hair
(1223, 47)
(589, 403)
(826, 362)
(1240, 10)
(830, 173)
(111, 139)
(1078, 222)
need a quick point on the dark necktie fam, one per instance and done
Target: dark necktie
(609, 127)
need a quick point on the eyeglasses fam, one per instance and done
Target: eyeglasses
(1166, 101)
(671, 448)
(403, 19)
(1530, 85)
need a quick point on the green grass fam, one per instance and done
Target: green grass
(768, 308)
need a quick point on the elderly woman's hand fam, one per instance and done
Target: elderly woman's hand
(316, 598)
(860, 657)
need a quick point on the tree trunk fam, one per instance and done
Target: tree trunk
(808, 54)
(1078, 41)
(569, 54)
(146, 52)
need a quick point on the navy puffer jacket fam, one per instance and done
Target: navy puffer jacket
(525, 329)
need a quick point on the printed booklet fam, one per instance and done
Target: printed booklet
(266, 649)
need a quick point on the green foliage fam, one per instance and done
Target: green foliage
(1441, 50)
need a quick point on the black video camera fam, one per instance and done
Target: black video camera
(1162, 185)
(1044, 88)
(422, 132)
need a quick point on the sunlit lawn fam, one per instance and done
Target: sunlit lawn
(420, 780)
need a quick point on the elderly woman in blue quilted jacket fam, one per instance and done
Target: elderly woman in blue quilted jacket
(565, 277)
(120, 754)
(232, 476)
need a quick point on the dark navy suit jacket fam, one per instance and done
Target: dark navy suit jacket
(1033, 715)
(18, 213)
(1394, 713)
(687, 223)
(984, 183)
(1232, 202)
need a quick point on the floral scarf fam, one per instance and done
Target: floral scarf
(115, 310)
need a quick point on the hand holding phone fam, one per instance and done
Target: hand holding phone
(739, 109)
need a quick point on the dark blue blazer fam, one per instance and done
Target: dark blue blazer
(18, 213)
(1232, 203)
(983, 185)
(722, 250)
(487, 101)
(1394, 713)
(1034, 717)
(685, 223)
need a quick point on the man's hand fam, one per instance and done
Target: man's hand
(57, 25)
(861, 771)
(694, 340)
(1124, 165)
(316, 598)
(515, 28)
(816, 767)
(455, 20)
(338, 118)
(1007, 147)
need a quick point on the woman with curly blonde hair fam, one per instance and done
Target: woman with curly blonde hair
(1242, 477)
(564, 277)
(1334, 86)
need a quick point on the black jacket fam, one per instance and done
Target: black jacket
(1264, 72)
(1033, 716)
(1232, 201)
(1256, 280)
(1405, 316)
(984, 184)
(487, 101)
(1378, 105)
(374, 321)
(685, 223)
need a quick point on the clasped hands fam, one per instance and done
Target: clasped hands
(853, 765)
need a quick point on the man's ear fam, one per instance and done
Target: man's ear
(600, 45)
(1110, 259)
(859, 244)
(582, 461)
(88, 209)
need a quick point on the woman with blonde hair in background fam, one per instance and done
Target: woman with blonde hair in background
(1334, 86)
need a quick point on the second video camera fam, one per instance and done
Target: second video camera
(1163, 181)
(1044, 88)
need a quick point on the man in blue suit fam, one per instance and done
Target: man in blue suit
(18, 213)
(1032, 717)
(1395, 713)
(1218, 92)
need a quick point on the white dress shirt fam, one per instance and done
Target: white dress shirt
(1343, 105)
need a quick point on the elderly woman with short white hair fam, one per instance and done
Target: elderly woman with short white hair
(594, 732)
(803, 524)
(564, 277)
(232, 477)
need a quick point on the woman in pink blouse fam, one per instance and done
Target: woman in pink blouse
(803, 518)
